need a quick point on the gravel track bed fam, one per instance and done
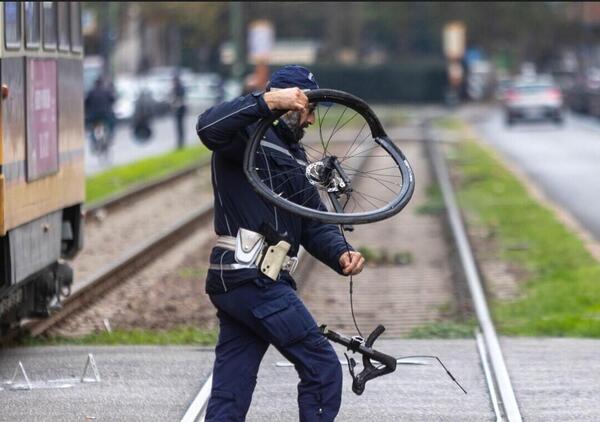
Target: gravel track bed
(170, 292)
(401, 297)
(109, 235)
(166, 294)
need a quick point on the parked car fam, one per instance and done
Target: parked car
(533, 99)
(126, 87)
(159, 80)
(203, 90)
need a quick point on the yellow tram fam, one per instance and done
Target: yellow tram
(41, 154)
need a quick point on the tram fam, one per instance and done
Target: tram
(42, 177)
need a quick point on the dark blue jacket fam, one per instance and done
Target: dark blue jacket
(225, 129)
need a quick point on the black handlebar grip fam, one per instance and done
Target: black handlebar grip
(373, 336)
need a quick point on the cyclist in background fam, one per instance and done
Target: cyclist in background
(99, 115)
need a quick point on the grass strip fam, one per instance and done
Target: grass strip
(176, 336)
(444, 330)
(434, 202)
(118, 179)
(561, 295)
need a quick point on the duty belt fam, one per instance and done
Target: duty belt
(229, 243)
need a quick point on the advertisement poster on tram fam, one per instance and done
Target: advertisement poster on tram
(42, 122)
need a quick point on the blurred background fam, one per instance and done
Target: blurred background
(535, 59)
(377, 50)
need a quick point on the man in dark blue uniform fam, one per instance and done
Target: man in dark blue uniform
(257, 308)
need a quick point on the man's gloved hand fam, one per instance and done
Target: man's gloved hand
(286, 99)
(352, 263)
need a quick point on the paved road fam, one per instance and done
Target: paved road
(412, 393)
(554, 380)
(564, 161)
(126, 150)
(143, 383)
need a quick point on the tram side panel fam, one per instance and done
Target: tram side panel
(40, 214)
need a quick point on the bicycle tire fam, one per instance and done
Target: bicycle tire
(379, 136)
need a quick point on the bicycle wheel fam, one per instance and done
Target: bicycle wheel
(348, 162)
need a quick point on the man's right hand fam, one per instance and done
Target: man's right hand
(286, 99)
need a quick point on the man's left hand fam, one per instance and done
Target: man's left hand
(352, 263)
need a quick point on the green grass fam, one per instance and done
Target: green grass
(118, 179)
(445, 330)
(176, 336)
(383, 256)
(561, 296)
(448, 123)
(434, 204)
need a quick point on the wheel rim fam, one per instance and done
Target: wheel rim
(349, 160)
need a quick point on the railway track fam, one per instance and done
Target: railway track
(501, 394)
(133, 260)
(87, 291)
(137, 192)
(505, 406)
(118, 272)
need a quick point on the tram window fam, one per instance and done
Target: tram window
(12, 24)
(75, 26)
(32, 24)
(49, 23)
(63, 26)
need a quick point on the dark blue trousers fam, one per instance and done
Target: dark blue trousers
(253, 316)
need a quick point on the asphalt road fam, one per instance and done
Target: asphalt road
(141, 383)
(125, 149)
(562, 160)
(554, 380)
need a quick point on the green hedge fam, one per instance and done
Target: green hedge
(417, 81)
(390, 83)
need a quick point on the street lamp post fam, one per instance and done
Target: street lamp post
(236, 33)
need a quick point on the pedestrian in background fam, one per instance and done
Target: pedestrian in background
(142, 116)
(179, 109)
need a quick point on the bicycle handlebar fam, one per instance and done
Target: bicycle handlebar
(358, 345)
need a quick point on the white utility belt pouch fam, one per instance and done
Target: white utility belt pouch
(252, 251)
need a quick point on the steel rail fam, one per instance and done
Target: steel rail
(197, 409)
(507, 394)
(489, 379)
(139, 190)
(129, 264)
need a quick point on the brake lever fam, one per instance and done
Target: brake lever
(358, 345)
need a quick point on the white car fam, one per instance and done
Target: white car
(533, 99)
(126, 88)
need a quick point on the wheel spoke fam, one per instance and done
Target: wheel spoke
(333, 131)
(354, 141)
(381, 182)
(374, 188)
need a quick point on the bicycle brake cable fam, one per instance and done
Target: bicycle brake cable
(350, 285)
(440, 362)
(401, 357)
